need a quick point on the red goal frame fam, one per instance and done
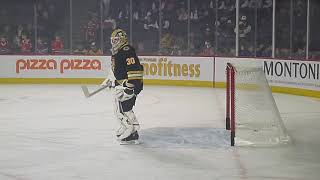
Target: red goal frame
(230, 101)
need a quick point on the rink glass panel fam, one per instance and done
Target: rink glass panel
(86, 25)
(283, 31)
(225, 24)
(13, 26)
(291, 29)
(174, 27)
(314, 40)
(255, 28)
(158, 27)
(53, 19)
(146, 26)
(212, 28)
(121, 12)
(299, 29)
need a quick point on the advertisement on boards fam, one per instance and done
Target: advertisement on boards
(178, 68)
(283, 73)
(54, 66)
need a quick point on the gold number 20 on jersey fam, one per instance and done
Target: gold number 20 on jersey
(130, 61)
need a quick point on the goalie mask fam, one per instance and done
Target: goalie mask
(118, 40)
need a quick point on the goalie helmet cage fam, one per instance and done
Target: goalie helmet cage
(252, 115)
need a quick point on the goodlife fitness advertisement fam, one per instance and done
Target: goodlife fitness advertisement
(54, 66)
(178, 68)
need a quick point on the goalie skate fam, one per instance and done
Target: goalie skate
(132, 139)
(131, 142)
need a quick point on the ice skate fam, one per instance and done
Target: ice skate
(132, 139)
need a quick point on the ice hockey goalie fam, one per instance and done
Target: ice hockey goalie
(128, 80)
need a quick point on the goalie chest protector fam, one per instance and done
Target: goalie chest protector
(126, 65)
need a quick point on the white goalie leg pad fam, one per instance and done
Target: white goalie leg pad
(126, 127)
(133, 119)
(126, 123)
(116, 112)
(120, 130)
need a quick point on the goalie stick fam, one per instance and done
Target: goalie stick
(87, 94)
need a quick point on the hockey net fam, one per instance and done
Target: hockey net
(252, 115)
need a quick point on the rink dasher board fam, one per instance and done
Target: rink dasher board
(285, 76)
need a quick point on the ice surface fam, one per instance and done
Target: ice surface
(51, 132)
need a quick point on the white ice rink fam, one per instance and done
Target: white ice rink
(51, 132)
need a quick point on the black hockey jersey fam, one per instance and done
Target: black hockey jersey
(126, 65)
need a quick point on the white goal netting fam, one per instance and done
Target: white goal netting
(257, 118)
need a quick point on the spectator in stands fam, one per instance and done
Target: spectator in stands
(267, 4)
(40, 7)
(165, 24)
(204, 13)
(80, 49)
(244, 36)
(140, 47)
(196, 43)
(168, 8)
(124, 14)
(244, 27)
(42, 46)
(150, 24)
(25, 44)
(92, 28)
(44, 25)
(93, 49)
(208, 35)
(207, 50)
(20, 30)
(110, 23)
(57, 45)
(29, 30)
(108, 26)
(222, 5)
(8, 33)
(4, 45)
(166, 43)
(176, 50)
(194, 15)
(150, 33)
(182, 14)
(15, 45)
(264, 50)
(232, 5)
(245, 4)
(52, 10)
(24, 29)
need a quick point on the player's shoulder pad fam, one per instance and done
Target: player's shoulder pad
(126, 48)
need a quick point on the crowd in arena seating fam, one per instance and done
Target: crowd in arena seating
(18, 36)
(161, 27)
(212, 26)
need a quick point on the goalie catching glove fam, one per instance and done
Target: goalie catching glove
(125, 91)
